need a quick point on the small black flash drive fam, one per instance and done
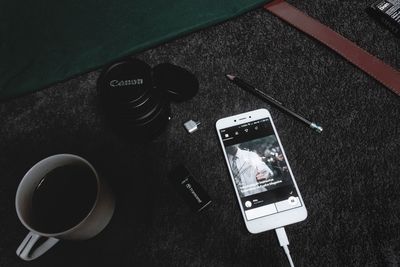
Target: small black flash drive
(190, 190)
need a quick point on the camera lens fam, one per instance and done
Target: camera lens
(131, 102)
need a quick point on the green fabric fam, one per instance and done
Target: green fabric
(45, 41)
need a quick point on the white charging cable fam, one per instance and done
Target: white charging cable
(284, 242)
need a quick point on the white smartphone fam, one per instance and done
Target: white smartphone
(264, 183)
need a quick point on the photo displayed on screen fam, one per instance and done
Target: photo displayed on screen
(259, 169)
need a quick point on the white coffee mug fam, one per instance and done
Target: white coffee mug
(94, 222)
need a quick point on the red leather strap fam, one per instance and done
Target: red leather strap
(373, 66)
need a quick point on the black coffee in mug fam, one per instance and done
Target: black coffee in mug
(63, 198)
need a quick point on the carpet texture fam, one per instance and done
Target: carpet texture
(348, 175)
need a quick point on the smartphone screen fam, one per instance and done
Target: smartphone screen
(259, 168)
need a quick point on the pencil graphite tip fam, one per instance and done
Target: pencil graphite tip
(230, 77)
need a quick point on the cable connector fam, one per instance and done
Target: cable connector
(191, 126)
(284, 242)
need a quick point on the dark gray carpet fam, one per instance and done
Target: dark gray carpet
(349, 175)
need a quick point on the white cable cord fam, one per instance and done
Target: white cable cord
(284, 242)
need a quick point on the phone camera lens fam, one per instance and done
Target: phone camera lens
(249, 116)
(234, 120)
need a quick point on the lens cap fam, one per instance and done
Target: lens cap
(132, 104)
(179, 83)
(127, 80)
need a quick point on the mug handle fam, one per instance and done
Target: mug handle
(24, 250)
